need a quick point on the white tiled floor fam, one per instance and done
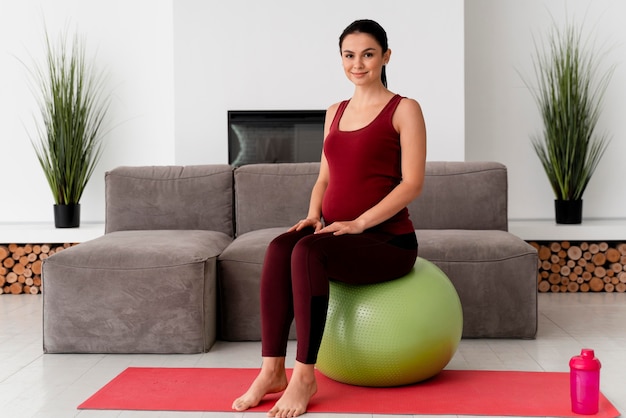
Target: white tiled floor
(49, 386)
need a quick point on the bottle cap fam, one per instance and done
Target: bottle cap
(587, 353)
(585, 361)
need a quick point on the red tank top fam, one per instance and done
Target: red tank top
(364, 167)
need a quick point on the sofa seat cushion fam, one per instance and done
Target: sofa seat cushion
(144, 249)
(251, 246)
(495, 274)
(239, 274)
(133, 292)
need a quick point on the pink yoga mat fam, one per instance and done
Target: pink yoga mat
(452, 392)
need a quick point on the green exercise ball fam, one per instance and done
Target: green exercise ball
(393, 333)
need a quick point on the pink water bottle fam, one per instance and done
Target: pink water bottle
(585, 382)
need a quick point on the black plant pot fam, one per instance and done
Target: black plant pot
(67, 216)
(568, 211)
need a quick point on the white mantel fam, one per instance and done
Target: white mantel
(527, 229)
(46, 233)
(588, 230)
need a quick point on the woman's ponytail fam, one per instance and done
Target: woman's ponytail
(383, 75)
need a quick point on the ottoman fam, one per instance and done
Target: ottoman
(151, 291)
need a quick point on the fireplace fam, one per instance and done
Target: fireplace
(274, 136)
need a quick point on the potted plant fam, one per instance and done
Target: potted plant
(569, 94)
(72, 108)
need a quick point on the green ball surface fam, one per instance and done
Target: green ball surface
(393, 333)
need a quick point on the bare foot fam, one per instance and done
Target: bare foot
(271, 379)
(299, 392)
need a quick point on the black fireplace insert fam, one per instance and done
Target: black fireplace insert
(274, 136)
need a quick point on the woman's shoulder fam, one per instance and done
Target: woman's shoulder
(408, 107)
(331, 111)
(408, 112)
(333, 107)
(408, 103)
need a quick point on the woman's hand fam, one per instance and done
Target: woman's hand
(314, 223)
(341, 228)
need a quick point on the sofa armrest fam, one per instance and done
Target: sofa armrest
(170, 197)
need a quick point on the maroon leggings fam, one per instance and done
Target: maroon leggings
(295, 281)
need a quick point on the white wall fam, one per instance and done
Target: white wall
(500, 112)
(178, 66)
(133, 40)
(284, 54)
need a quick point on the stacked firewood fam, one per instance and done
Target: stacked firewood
(581, 266)
(563, 266)
(20, 266)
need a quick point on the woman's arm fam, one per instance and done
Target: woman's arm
(409, 122)
(314, 216)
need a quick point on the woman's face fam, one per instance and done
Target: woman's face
(363, 58)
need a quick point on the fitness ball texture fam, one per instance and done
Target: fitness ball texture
(393, 333)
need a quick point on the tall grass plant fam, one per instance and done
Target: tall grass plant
(72, 108)
(569, 94)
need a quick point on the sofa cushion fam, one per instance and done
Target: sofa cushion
(272, 195)
(462, 195)
(495, 275)
(170, 197)
(133, 292)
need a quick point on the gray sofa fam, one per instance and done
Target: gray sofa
(180, 262)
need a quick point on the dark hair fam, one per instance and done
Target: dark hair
(371, 28)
